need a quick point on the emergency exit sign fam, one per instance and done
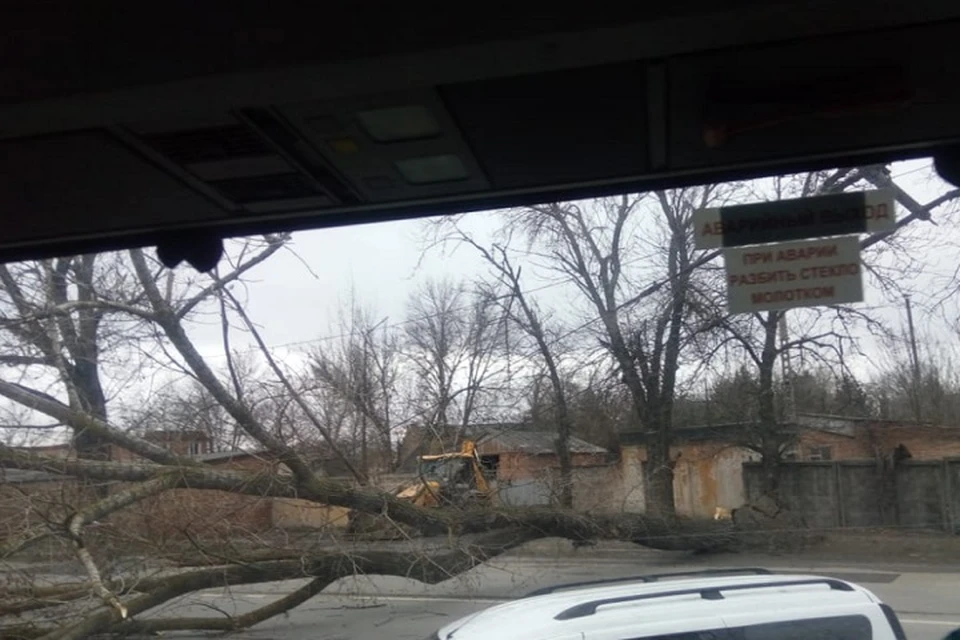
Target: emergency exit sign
(794, 274)
(783, 220)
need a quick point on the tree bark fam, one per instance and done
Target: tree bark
(769, 437)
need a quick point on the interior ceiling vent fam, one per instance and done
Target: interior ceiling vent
(209, 144)
(265, 188)
(257, 161)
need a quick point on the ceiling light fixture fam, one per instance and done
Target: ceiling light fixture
(396, 124)
(430, 169)
(344, 145)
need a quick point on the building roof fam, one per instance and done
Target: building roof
(529, 442)
(220, 456)
(491, 437)
(728, 432)
(175, 435)
(846, 426)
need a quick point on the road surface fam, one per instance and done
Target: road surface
(927, 599)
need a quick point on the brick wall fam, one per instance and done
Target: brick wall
(198, 512)
(303, 514)
(709, 474)
(867, 440)
(595, 488)
(924, 442)
(631, 487)
(706, 476)
(156, 518)
(841, 447)
(522, 466)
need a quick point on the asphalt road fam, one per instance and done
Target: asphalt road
(928, 601)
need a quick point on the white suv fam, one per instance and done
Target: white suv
(720, 604)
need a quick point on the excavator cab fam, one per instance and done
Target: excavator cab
(443, 480)
(454, 479)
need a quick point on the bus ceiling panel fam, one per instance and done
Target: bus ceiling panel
(396, 146)
(156, 81)
(477, 127)
(69, 51)
(891, 89)
(86, 183)
(64, 52)
(547, 129)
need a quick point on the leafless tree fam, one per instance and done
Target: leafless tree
(53, 317)
(454, 344)
(643, 291)
(360, 369)
(928, 392)
(506, 293)
(824, 336)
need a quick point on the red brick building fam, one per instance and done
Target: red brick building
(182, 443)
(513, 454)
(24, 494)
(521, 463)
(709, 460)
(842, 438)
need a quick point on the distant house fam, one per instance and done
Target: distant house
(183, 443)
(498, 443)
(512, 454)
(709, 459)
(24, 494)
(824, 437)
(521, 463)
(420, 440)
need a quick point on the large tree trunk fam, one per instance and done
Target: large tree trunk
(563, 455)
(769, 438)
(659, 496)
(86, 381)
(658, 472)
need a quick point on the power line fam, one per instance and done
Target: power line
(406, 321)
(392, 325)
(925, 167)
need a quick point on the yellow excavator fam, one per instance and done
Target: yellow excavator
(443, 480)
(449, 479)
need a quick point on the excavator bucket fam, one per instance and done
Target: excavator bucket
(445, 479)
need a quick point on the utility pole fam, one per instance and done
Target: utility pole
(363, 408)
(708, 416)
(790, 398)
(914, 361)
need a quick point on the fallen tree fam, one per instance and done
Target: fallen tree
(114, 599)
(466, 539)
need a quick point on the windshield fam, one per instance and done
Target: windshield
(442, 469)
(656, 380)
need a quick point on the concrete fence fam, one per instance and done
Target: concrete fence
(920, 494)
(595, 488)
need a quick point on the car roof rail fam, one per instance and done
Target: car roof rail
(648, 577)
(707, 593)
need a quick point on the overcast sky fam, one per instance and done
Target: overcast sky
(296, 298)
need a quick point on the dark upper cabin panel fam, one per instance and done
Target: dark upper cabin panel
(117, 128)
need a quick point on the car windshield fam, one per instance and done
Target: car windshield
(757, 373)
